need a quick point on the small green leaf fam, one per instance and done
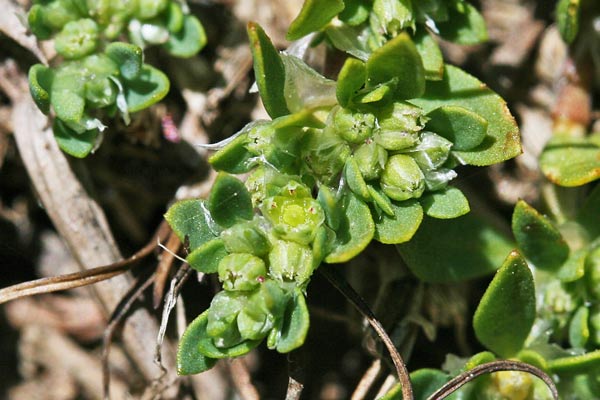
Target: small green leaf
(35, 20)
(567, 16)
(76, 144)
(268, 71)
(462, 127)
(296, 324)
(355, 232)
(425, 382)
(445, 204)
(355, 12)
(350, 80)
(465, 26)
(127, 56)
(430, 52)
(314, 15)
(402, 226)
(191, 219)
(350, 39)
(68, 105)
(579, 330)
(355, 180)
(229, 201)
(502, 140)
(234, 157)
(207, 348)
(588, 216)
(381, 200)
(40, 82)
(534, 358)
(174, 17)
(331, 206)
(538, 239)
(189, 359)
(207, 256)
(481, 249)
(188, 41)
(400, 61)
(574, 266)
(571, 161)
(147, 88)
(478, 359)
(506, 311)
(576, 364)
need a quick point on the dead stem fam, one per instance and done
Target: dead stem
(163, 269)
(494, 366)
(294, 390)
(118, 315)
(242, 380)
(366, 382)
(342, 285)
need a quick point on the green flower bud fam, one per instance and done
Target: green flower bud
(57, 14)
(100, 91)
(325, 153)
(515, 385)
(246, 237)
(392, 16)
(399, 125)
(431, 152)
(290, 261)
(263, 311)
(402, 178)
(371, 159)
(241, 271)
(222, 318)
(150, 8)
(353, 127)
(294, 219)
(77, 39)
(439, 178)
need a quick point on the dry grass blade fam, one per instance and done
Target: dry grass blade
(494, 366)
(163, 269)
(340, 284)
(78, 279)
(242, 381)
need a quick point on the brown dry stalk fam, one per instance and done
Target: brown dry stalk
(342, 285)
(164, 267)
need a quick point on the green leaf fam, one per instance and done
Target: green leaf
(445, 204)
(434, 254)
(76, 144)
(355, 180)
(234, 157)
(400, 61)
(304, 87)
(506, 311)
(538, 239)
(534, 358)
(68, 105)
(571, 161)
(128, 57)
(574, 266)
(350, 39)
(580, 364)
(402, 226)
(35, 20)
(268, 71)
(355, 12)
(296, 324)
(579, 330)
(147, 88)
(40, 82)
(567, 16)
(478, 359)
(502, 140)
(314, 15)
(174, 17)
(188, 41)
(425, 382)
(462, 127)
(465, 26)
(229, 201)
(189, 359)
(191, 219)
(381, 200)
(206, 346)
(207, 256)
(350, 80)
(355, 231)
(430, 52)
(588, 216)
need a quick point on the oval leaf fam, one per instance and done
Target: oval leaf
(462, 127)
(355, 231)
(571, 161)
(147, 88)
(445, 204)
(234, 157)
(506, 311)
(502, 140)
(567, 16)
(229, 201)
(314, 15)
(402, 226)
(187, 41)
(355, 180)
(191, 219)
(127, 56)
(189, 359)
(76, 144)
(40, 81)
(350, 80)
(296, 324)
(400, 61)
(577, 364)
(268, 71)
(207, 256)
(430, 52)
(538, 239)
(465, 25)
(434, 254)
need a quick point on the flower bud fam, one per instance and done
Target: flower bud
(294, 219)
(392, 16)
(100, 91)
(290, 261)
(399, 125)
(241, 271)
(431, 152)
(325, 153)
(246, 237)
(402, 178)
(77, 39)
(262, 312)
(371, 159)
(150, 8)
(354, 127)
(222, 318)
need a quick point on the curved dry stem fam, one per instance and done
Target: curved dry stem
(78, 279)
(340, 284)
(487, 368)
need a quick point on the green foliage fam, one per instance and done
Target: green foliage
(100, 76)
(571, 161)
